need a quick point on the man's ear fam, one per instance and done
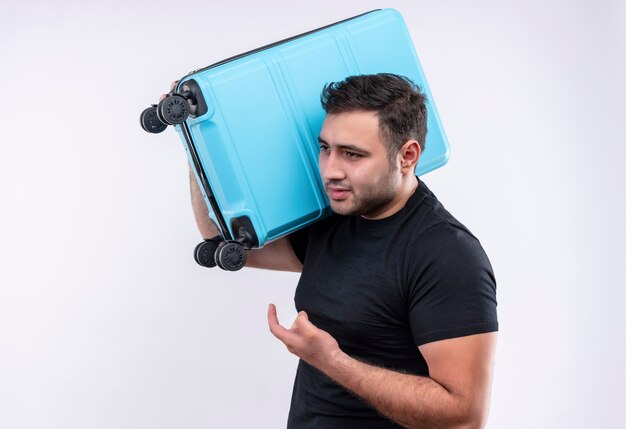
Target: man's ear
(409, 156)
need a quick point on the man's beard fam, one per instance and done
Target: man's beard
(367, 200)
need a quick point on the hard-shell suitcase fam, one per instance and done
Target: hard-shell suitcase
(250, 125)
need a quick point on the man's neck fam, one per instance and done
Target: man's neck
(407, 188)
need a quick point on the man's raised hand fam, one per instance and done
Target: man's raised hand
(305, 340)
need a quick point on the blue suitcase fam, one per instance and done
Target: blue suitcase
(250, 125)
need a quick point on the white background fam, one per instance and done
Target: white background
(107, 322)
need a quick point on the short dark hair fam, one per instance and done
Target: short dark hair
(398, 102)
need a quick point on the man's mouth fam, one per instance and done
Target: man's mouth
(337, 193)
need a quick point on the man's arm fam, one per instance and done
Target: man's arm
(455, 395)
(200, 211)
(278, 255)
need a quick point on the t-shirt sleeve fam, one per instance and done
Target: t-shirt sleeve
(452, 288)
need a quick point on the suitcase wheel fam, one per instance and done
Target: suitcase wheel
(173, 110)
(204, 253)
(230, 256)
(150, 122)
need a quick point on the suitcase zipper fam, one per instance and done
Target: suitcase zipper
(271, 45)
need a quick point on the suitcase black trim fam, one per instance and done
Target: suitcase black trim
(221, 223)
(193, 93)
(243, 226)
(271, 45)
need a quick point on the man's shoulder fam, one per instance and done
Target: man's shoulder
(300, 238)
(439, 237)
(429, 216)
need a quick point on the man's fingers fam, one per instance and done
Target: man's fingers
(272, 317)
(172, 86)
(302, 323)
(275, 326)
(300, 328)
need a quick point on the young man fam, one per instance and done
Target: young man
(396, 300)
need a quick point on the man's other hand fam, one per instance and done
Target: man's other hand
(303, 339)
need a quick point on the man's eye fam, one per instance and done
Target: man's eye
(352, 155)
(323, 148)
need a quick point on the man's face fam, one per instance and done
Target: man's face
(354, 165)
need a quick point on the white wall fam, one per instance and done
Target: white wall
(106, 321)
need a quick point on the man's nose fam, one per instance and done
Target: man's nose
(331, 167)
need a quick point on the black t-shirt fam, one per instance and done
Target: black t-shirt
(381, 288)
